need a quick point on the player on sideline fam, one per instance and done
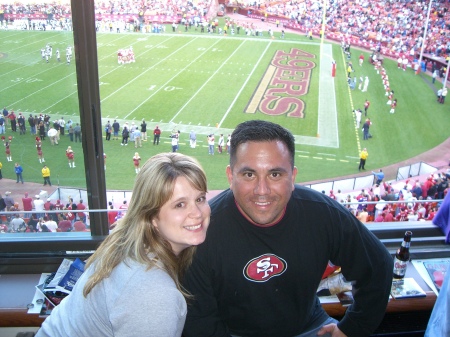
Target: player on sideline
(58, 55)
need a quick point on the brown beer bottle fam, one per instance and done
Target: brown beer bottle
(402, 257)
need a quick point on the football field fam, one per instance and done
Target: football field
(209, 84)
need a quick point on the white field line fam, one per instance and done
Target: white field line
(76, 91)
(24, 79)
(43, 88)
(243, 85)
(206, 82)
(169, 80)
(143, 73)
(38, 54)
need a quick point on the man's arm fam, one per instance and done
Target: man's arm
(203, 315)
(368, 265)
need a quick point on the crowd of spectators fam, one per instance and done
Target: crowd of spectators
(398, 26)
(139, 8)
(37, 215)
(415, 200)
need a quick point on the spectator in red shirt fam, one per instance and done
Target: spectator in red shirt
(388, 217)
(79, 226)
(111, 215)
(81, 215)
(27, 205)
(64, 225)
(48, 204)
(380, 217)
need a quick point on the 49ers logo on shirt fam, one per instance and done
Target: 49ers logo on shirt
(264, 267)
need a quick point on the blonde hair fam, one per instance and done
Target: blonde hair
(134, 237)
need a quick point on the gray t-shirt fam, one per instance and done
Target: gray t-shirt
(132, 301)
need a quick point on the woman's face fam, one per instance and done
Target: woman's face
(184, 219)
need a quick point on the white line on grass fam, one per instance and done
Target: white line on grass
(245, 83)
(169, 80)
(28, 78)
(35, 92)
(206, 82)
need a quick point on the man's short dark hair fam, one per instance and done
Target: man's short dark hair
(260, 131)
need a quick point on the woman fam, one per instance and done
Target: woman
(131, 286)
(137, 162)
(70, 156)
(8, 150)
(39, 150)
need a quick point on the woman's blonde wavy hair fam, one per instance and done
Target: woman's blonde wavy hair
(134, 237)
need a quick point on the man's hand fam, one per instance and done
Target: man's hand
(332, 329)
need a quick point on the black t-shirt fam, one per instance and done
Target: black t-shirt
(250, 280)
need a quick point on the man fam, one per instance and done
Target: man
(18, 170)
(137, 138)
(38, 206)
(17, 224)
(144, 130)
(21, 122)
(365, 129)
(210, 139)
(13, 120)
(5, 116)
(27, 205)
(81, 215)
(193, 139)
(156, 135)
(62, 125)
(221, 143)
(32, 124)
(258, 271)
(116, 128)
(175, 140)
(64, 225)
(48, 204)
(111, 215)
(2, 125)
(125, 135)
(362, 159)
(366, 107)
(379, 176)
(46, 175)
(9, 201)
(2, 204)
(51, 224)
(77, 132)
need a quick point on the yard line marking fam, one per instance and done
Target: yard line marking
(30, 77)
(245, 83)
(37, 91)
(207, 81)
(169, 80)
(358, 144)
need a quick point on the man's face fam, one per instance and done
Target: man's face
(262, 180)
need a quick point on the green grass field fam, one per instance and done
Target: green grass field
(201, 82)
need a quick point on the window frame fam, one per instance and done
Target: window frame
(37, 253)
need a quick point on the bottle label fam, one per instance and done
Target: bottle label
(400, 267)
